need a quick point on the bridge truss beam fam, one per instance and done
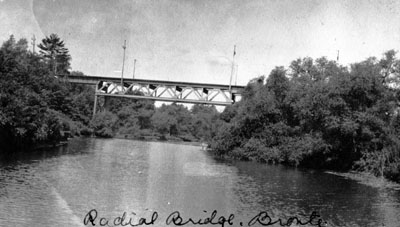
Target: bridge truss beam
(166, 92)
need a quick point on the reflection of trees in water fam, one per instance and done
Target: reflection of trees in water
(284, 192)
(79, 146)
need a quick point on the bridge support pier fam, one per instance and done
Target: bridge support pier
(103, 104)
(106, 105)
(94, 105)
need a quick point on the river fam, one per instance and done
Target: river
(60, 186)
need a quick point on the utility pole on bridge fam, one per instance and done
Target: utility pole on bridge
(123, 65)
(134, 68)
(233, 67)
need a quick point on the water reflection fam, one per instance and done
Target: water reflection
(285, 191)
(114, 176)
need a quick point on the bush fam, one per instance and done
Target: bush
(103, 124)
(271, 155)
(307, 150)
(225, 140)
(392, 172)
(252, 149)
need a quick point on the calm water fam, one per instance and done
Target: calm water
(59, 187)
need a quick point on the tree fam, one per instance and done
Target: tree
(103, 124)
(54, 51)
(390, 68)
(164, 120)
(27, 114)
(204, 121)
(278, 83)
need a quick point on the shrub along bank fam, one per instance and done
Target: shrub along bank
(319, 114)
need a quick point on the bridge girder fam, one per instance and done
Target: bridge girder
(168, 93)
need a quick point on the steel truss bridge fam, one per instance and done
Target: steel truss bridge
(166, 91)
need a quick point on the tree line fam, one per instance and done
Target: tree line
(319, 114)
(37, 107)
(141, 119)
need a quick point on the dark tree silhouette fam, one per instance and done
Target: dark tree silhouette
(54, 51)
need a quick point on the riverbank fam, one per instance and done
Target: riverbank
(50, 145)
(368, 179)
(361, 177)
(172, 140)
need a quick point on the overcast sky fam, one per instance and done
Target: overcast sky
(192, 40)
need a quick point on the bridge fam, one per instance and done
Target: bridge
(166, 91)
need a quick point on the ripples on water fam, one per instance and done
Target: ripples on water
(58, 187)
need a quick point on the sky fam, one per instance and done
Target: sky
(193, 40)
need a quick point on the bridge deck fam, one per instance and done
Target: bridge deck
(95, 79)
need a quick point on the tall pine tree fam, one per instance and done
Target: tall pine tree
(53, 49)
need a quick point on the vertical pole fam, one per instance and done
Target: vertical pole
(95, 104)
(236, 75)
(337, 58)
(233, 64)
(33, 43)
(134, 68)
(123, 66)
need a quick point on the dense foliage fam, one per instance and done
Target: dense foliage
(40, 107)
(319, 114)
(132, 118)
(35, 106)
